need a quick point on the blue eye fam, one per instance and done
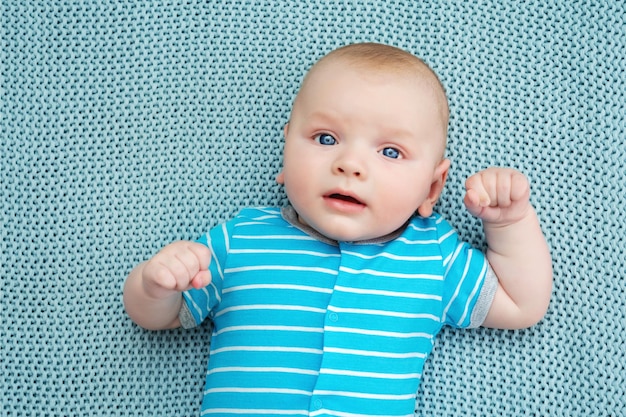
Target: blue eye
(391, 153)
(325, 139)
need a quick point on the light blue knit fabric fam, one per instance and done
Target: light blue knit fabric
(127, 125)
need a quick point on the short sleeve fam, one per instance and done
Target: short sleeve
(469, 283)
(198, 304)
(485, 299)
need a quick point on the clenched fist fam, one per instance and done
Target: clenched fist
(178, 267)
(499, 196)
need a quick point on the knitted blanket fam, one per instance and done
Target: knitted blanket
(127, 125)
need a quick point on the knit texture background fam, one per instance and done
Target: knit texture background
(127, 125)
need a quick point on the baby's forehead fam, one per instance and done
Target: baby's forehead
(410, 70)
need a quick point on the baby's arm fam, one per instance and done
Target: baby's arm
(517, 250)
(152, 292)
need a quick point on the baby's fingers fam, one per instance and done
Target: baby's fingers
(176, 267)
(477, 190)
(520, 187)
(202, 254)
(191, 270)
(159, 279)
(196, 258)
(498, 195)
(510, 187)
(201, 280)
(473, 202)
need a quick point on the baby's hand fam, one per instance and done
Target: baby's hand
(178, 267)
(499, 196)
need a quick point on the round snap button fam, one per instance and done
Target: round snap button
(317, 403)
(333, 317)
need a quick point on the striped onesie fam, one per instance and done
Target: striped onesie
(305, 326)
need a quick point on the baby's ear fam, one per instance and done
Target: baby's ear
(436, 187)
(286, 130)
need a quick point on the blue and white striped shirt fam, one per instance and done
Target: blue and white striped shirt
(308, 327)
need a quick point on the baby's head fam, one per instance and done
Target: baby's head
(364, 147)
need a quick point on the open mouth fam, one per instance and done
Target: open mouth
(345, 198)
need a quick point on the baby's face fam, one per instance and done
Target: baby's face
(362, 151)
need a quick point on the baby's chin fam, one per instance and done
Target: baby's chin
(339, 233)
(357, 234)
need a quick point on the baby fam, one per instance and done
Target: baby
(330, 306)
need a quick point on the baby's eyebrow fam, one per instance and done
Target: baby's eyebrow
(398, 133)
(322, 118)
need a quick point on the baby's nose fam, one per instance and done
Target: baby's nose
(349, 171)
(349, 165)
